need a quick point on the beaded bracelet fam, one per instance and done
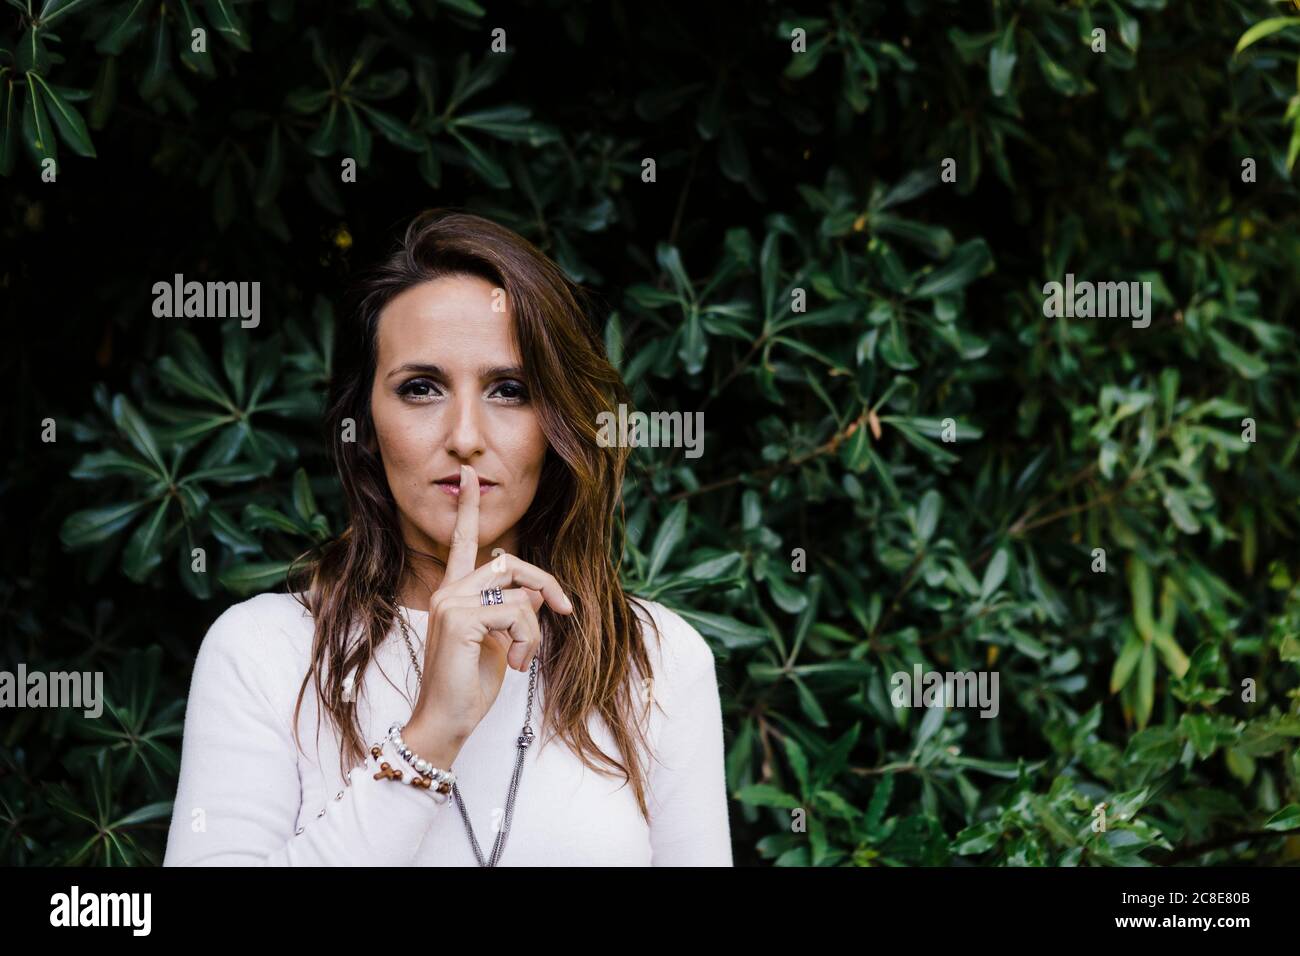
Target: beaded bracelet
(421, 774)
(439, 792)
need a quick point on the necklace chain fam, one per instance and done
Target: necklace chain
(522, 743)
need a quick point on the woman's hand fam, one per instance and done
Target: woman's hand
(468, 646)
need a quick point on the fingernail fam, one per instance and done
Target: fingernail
(568, 605)
(464, 474)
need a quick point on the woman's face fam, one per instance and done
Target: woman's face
(449, 390)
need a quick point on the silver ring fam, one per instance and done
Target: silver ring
(491, 596)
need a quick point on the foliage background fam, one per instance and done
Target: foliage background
(775, 171)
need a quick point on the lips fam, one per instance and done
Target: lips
(451, 485)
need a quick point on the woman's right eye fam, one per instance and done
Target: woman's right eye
(420, 388)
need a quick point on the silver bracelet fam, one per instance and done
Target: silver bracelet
(416, 762)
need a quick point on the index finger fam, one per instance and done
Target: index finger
(462, 558)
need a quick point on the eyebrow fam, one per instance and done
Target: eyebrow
(496, 371)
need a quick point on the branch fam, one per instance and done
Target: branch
(1196, 849)
(767, 474)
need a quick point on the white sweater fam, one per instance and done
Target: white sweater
(248, 796)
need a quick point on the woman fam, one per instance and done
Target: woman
(466, 640)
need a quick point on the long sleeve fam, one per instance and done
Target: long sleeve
(689, 824)
(239, 791)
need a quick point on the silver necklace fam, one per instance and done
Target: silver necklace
(523, 743)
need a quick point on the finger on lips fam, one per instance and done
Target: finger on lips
(463, 555)
(529, 580)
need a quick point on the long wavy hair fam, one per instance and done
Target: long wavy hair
(588, 658)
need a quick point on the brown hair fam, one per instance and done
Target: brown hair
(568, 530)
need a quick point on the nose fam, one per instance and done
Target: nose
(465, 434)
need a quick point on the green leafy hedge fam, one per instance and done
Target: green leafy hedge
(906, 462)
